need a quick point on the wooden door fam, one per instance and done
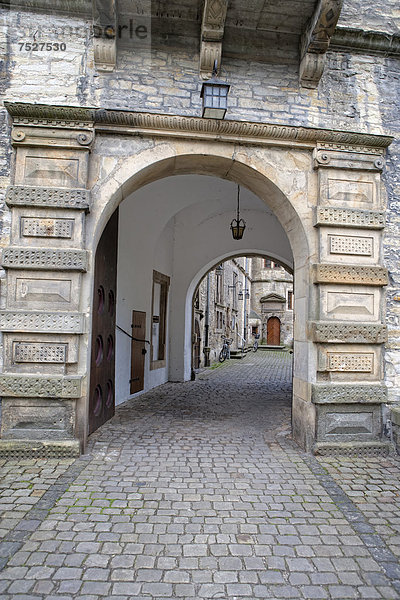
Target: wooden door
(273, 331)
(102, 366)
(138, 350)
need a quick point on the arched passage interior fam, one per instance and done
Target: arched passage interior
(178, 226)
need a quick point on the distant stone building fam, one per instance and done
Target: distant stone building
(239, 299)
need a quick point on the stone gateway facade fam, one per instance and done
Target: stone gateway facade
(104, 146)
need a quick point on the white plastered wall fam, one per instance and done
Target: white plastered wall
(180, 227)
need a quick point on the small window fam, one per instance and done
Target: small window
(219, 288)
(159, 320)
(290, 300)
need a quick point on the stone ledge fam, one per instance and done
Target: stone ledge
(36, 386)
(44, 259)
(31, 449)
(352, 449)
(373, 393)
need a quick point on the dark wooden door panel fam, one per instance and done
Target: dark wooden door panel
(102, 367)
(196, 346)
(138, 350)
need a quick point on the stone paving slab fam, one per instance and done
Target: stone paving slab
(196, 490)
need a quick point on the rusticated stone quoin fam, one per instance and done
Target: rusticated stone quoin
(358, 333)
(26, 386)
(353, 274)
(329, 216)
(44, 259)
(348, 393)
(42, 322)
(21, 195)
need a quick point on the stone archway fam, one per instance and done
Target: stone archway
(323, 187)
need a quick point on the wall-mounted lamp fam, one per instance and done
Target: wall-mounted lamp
(214, 93)
(238, 225)
(246, 294)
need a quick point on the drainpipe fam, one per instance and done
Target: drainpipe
(245, 301)
(206, 348)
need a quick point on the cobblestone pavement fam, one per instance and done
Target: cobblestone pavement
(196, 490)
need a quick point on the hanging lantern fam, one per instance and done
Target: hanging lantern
(238, 225)
(215, 97)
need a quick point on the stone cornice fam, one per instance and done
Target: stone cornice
(375, 42)
(129, 122)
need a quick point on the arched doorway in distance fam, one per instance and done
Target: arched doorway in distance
(273, 331)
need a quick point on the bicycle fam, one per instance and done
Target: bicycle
(255, 343)
(225, 352)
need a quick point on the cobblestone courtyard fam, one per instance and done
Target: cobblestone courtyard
(196, 490)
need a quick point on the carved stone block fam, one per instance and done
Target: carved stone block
(349, 333)
(51, 167)
(46, 227)
(48, 291)
(350, 362)
(335, 156)
(21, 195)
(345, 423)
(353, 247)
(343, 244)
(329, 216)
(352, 274)
(32, 386)
(348, 393)
(105, 54)
(63, 137)
(38, 227)
(33, 352)
(36, 419)
(44, 259)
(358, 190)
(19, 321)
(349, 303)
